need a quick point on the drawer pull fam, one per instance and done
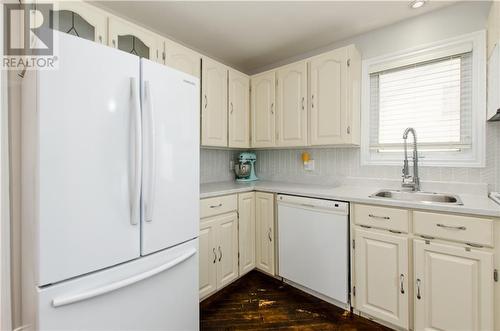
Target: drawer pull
(215, 255)
(418, 290)
(220, 252)
(451, 227)
(474, 245)
(401, 281)
(379, 217)
(269, 235)
(216, 206)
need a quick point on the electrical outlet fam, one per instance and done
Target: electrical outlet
(309, 165)
(231, 165)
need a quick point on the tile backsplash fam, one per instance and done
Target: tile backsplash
(214, 165)
(332, 165)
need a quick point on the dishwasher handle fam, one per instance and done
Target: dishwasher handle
(332, 206)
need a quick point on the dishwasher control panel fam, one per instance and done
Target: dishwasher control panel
(337, 206)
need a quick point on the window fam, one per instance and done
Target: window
(439, 91)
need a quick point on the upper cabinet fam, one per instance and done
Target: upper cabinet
(213, 104)
(134, 39)
(181, 58)
(225, 106)
(315, 102)
(263, 109)
(79, 19)
(239, 109)
(291, 105)
(335, 97)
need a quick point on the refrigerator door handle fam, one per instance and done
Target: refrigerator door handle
(70, 299)
(137, 151)
(149, 202)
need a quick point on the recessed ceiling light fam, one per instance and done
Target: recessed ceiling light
(417, 3)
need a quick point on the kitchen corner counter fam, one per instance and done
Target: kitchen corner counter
(474, 204)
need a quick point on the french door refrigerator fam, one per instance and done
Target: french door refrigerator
(110, 193)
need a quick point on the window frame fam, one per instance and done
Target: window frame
(475, 157)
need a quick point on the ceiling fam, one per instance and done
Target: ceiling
(252, 35)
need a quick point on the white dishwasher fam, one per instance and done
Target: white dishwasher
(313, 242)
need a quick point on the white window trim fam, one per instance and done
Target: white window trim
(419, 53)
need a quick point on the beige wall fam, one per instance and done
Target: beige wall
(438, 25)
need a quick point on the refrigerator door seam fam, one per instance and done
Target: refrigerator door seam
(149, 203)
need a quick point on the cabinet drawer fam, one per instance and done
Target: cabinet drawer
(218, 205)
(454, 227)
(381, 217)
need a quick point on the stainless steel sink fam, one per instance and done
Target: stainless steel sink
(423, 197)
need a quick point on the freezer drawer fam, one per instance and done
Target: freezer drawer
(157, 292)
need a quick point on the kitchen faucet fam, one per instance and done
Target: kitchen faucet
(412, 182)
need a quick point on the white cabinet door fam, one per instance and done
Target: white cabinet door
(208, 257)
(214, 104)
(135, 40)
(227, 248)
(246, 231)
(328, 98)
(264, 218)
(263, 110)
(291, 107)
(182, 58)
(80, 19)
(453, 287)
(239, 110)
(171, 145)
(381, 276)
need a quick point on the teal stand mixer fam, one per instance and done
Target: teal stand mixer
(245, 168)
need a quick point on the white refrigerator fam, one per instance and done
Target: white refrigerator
(110, 193)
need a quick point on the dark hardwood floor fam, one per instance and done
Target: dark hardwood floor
(259, 302)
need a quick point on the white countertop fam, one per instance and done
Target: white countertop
(475, 204)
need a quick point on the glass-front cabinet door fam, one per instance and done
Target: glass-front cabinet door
(135, 40)
(79, 19)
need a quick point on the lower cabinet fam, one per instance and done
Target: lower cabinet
(246, 231)
(218, 251)
(207, 257)
(381, 264)
(441, 273)
(264, 218)
(236, 236)
(453, 287)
